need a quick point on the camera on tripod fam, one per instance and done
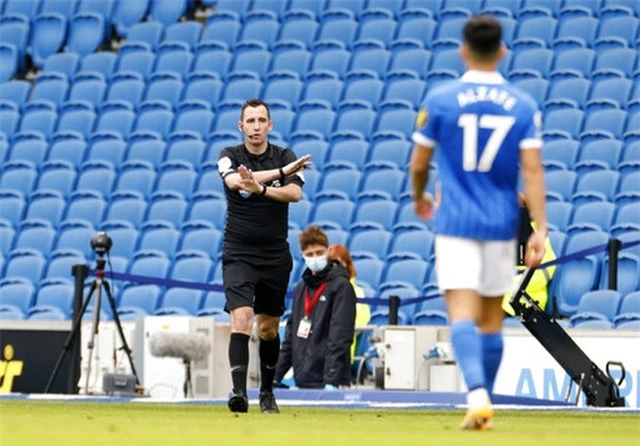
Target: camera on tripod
(101, 243)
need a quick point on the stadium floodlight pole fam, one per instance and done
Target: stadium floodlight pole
(600, 388)
(101, 243)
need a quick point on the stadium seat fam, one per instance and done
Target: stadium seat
(127, 205)
(155, 117)
(150, 32)
(260, 25)
(404, 85)
(61, 262)
(49, 35)
(54, 294)
(323, 85)
(57, 175)
(146, 147)
(74, 235)
(167, 205)
(19, 176)
(597, 305)
(223, 26)
(315, 6)
(128, 87)
(379, 212)
(35, 234)
(15, 91)
(124, 236)
(86, 205)
(103, 62)
(167, 12)
(52, 86)
(600, 214)
(77, 116)
(86, 33)
(338, 24)
(209, 207)
(604, 182)
(628, 279)
(369, 270)
(16, 293)
(128, 14)
(282, 86)
(572, 280)
(315, 116)
(88, 86)
(291, 56)
(46, 204)
(396, 115)
(39, 117)
(196, 234)
(30, 147)
(193, 266)
(375, 241)
(107, 146)
(338, 211)
(165, 86)
(363, 85)
(25, 263)
(409, 55)
(15, 34)
(629, 309)
(180, 301)
(331, 55)
(139, 299)
(300, 25)
(161, 235)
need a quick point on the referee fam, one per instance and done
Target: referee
(260, 180)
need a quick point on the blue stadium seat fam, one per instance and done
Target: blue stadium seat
(239, 7)
(213, 300)
(57, 175)
(628, 213)
(15, 35)
(393, 6)
(628, 279)
(624, 27)
(128, 14)
(341, 177)
(617, 89)
(174, 57)
(116, 117)
(223, 26)
(26, 8)
(572, 280)
(180, 301)
(356, 115)
(150, 33)
(559, 214)
(339, 211)
(16, 294)
(331, 55)
(537, 88)
(377, 23)
(169, 206)
(193, 266)
(406, 86)
(46, 204)
(212, 58)
(568, 120)
(209, 207)
(390, 147)
(194, 116)
(375, 241)
(600, 214)
(629, 309)
(75, 234)
(597, 305)
(103, 62)
(86, 33)
(262, 26)
(124, 236)
(165, 86)
(138, 176)
(30, 147)
(62, 260)
(25, 263)
(561, 151)
(159, 235)
(282, 86)
(167, 12)
(138, 300)
(354, 6)
(35, 234)
(300, 25)
(409, 55)
(561, 182)
(323, 85)
(604, 182)
(606, 151)
(16, 92)
(39, 117)
(316, 116)
(397, 115)
(291, 56)
(185, 146)
(317, 149)
(578, 27)
(384, 177)
(106, 146)
(611, 121)
(406, 268)
(540, 60)
(9, 118)
(127, 205)
(88, 86)
(252, 56)
(87, 205)
(355, 152)
(380, 212)
(205, 86)
(315, 6)
(155, 117)
(49, 35)
(77, 116)
(52, 87)
(54, 295)
(150, 262)
(198, 233)
(7, 235)
(128, 87)
(241, 85)
(543, 28)
(338, 24)
(369, 270)
(19, 176)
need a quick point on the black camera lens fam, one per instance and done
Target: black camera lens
(101, 243)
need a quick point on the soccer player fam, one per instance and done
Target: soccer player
(483, 131)
(260, 180)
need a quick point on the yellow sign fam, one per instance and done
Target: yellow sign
(421, 119)
(9, 369)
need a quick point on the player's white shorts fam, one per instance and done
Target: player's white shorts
(485, 266)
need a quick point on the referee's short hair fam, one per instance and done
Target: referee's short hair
(313, 235)
(254, 103)
(483, 36)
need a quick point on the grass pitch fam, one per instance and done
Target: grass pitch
(72, 423)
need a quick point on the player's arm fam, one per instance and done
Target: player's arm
(533, 176)
(419, 164)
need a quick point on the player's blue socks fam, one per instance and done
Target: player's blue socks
(492, 346)
(468, 350)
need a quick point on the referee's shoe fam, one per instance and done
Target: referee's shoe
(238, 402)
(268, 403)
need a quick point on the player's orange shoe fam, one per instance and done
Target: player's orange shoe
(478, 418)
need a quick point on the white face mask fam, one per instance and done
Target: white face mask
(316, 264)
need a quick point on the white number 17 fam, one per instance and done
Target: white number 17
(470, 123)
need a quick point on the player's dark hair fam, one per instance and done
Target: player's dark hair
(313, 235)
(254, 103)
(483, 36)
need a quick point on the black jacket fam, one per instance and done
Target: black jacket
(324, 357)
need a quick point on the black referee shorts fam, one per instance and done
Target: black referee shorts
(261, 286)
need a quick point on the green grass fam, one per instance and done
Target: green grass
(72, 423)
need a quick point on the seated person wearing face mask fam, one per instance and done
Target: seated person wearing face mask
(320, 329)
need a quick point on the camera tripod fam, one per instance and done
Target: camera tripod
(80, 272)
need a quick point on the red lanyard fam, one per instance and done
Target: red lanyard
(310, 303)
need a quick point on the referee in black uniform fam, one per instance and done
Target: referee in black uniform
(260, 179)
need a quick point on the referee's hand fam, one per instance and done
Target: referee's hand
(248, 181)
(301, 163)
